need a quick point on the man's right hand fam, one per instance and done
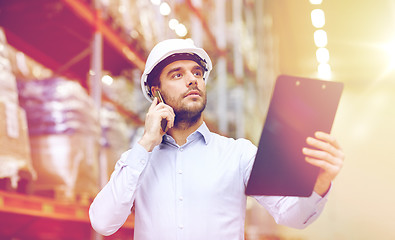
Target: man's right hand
(153, 132)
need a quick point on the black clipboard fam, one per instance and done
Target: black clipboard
(298, 108)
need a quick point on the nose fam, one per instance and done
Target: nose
(192, 80)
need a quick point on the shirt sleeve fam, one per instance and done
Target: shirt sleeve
(296, 212)
(113, 204)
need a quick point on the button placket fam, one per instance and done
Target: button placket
(179, 193)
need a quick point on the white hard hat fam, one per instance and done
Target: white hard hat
(184, 48)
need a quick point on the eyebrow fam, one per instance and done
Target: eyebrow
(198, 67)
(176, 69)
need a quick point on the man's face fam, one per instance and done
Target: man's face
(183, 88)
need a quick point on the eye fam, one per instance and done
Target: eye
(198, 73)
(177, 76)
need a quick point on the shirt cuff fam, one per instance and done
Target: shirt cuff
(137, 157)
(326, 193)
(321, 200)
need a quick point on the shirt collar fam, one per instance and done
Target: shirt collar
(202, 130)
(205, 132)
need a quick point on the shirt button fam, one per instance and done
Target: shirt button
(179, 171)
(180, 226)
(181, 149)
(142, 161)
(180, 198)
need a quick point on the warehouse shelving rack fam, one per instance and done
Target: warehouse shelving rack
(33, 217)
(58, 34)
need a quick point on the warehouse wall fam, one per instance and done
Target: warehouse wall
(361, 203)
(360, 39)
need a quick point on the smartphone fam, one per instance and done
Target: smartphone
(160, 99)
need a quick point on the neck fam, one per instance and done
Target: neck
(183, 129)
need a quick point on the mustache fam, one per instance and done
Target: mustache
(193, 88)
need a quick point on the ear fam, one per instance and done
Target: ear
(153, 89)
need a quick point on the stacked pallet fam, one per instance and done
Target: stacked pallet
(64, 137)
(15, 161)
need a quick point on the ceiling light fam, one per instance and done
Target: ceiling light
(106, 79)
(181, 30)
(173, 23)
(315, 2)
(324, 71)
(322, 55)
(164, 9)
(318, 18)
(320, 38)
(155, 2)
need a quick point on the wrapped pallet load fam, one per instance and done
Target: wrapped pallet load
(64, 136)
(16, 169)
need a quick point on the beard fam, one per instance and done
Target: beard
(187, 114)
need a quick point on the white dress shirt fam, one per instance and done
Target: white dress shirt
(191, 192)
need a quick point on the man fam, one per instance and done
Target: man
(187, 182)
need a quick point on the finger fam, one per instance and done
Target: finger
(162, 105)
(170, 109)
(318, 163)
(170, 116)
(328, 168)
(321, 155)
(327, 138)
(153, 104)
(322, 145)
(169, 125)
(326, 144)
(170, 120)
(165, 113)
(323, 160)
(331, 146)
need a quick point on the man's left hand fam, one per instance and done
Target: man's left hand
(326, 154)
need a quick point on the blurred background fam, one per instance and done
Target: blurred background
(70, 100)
